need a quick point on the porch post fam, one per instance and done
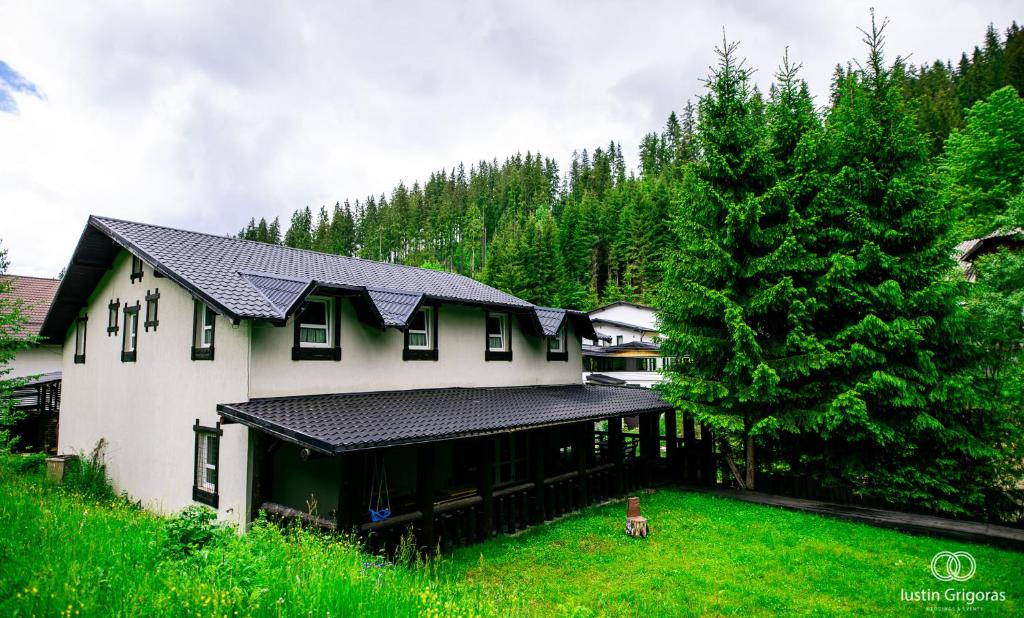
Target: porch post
(262, 471)
(690, 447)
(648, 445)
(537, 445)
(584, 440)
(425, 493)
(671, 445)
(351, 508)
(709, 475)
(486, 484)
(615, 451)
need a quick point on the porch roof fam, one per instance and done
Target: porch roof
(357, 421)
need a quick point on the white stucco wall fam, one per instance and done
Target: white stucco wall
(145, 410)
(615, 332)
(35, 361)
(371, 359)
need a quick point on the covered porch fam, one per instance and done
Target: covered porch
(456, 466)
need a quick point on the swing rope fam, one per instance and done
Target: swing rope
(381, 509)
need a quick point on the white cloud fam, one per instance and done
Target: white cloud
(203, 114)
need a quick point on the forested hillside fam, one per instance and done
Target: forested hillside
(594, 229)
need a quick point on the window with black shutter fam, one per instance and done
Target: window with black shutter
(151, 309)
(136, 268)
(421, 335)
(130, 335)
(80, 324)
(113, 317)
(204, 322)
(206, 464)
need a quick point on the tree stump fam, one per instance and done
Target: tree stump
(637, 527)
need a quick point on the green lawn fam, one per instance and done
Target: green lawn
(713, 556)
(63, 553)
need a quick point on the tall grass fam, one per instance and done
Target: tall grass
(81, 551)
(65, 552)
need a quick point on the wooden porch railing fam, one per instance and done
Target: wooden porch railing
(461, 522)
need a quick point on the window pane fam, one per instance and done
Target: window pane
(418, 339)
(207, 336)
(315, 312)
(419, 321)
(313, 335)
(553, 344)
(493, 325)
(495, 343)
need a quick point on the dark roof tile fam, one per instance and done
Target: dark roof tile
(355, 421)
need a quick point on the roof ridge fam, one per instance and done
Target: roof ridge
(285, 247)
(12, 275)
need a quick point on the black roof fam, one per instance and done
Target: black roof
(246, 279)
(612, 350)
(358, 421)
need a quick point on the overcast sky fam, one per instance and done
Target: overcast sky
(200, 114)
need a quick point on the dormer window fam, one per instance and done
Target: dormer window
(136, 268)
(314, 324)
(556, 346)
(421, 336)
(204, 322)
(316, 330)
(498, 344)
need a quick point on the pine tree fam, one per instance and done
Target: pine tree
(894, 408)
(728, 301)
(983, 165)
(300, 232)
(12, 339)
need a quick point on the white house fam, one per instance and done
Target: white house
(37, 401)
(36, 295)
(626, 350)
(366, 395)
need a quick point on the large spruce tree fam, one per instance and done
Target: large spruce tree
(895, 408)
(728, 302)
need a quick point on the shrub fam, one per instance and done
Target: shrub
(88, 474)
(28, 463)
(193, 529)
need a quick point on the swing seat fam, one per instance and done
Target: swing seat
(380, 515)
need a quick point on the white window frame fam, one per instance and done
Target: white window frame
(131, 331)
(80, 337)
(502, 328)
(204, 483)
(427, 332)
(558, 339)
(206, 326)
(328, 317)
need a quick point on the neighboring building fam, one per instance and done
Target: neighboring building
(246, 375)
(970, 250)
(35, 294)
(37, 402)
(626, 350)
